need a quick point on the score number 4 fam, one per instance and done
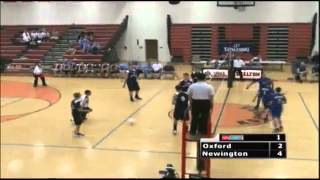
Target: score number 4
(280, 146)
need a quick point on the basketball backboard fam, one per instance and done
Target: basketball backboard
(235, 3)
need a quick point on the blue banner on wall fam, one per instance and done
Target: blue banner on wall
(241, 47)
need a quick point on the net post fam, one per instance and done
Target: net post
(208, 163)
(183, 149)
(230, 70)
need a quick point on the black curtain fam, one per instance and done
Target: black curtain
(314, 26)
(169, 24)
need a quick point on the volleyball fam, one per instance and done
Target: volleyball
(131, 121)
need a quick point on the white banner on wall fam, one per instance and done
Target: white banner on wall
(223, 73)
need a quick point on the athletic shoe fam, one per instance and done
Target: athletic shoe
(80, 134)
(275, 131)
(191, 137)
(131, 99)
(281, 129)
(137, 97)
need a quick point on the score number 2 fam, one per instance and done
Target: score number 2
(280, 147)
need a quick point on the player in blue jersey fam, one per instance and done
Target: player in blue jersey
(266, 93)
(276, 108)
(263, 81)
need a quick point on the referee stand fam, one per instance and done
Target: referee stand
(202, 164)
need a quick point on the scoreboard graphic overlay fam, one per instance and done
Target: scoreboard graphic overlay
(244, 146)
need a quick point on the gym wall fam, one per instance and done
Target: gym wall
(147, 20)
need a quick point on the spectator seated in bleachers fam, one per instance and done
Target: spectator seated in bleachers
(54, 36)
(256, 59)
(94, 48)
(26, 37)
(214, 63)
(157, 67)
(84, 44)
(43, 35)
(35, 36)
(123, 67)
(156, 70)
(146, 69)
(80, 37)
(90, 36)
(87, 43)
(301, 72)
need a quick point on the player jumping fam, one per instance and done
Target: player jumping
(263, 81)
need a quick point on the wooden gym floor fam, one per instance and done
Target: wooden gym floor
(37, 141)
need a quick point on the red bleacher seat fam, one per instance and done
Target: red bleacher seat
(12, 47)
(94, 61)
(44, 47)
(48, 44)
(10, 51)
(6, 35)
(102, 34)
(102, 39)
(5, 39)
(26, 60)
(37, 51)
(34, 56)
(84, 56)
(6, 43)
(9, 56)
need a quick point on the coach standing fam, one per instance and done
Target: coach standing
(38, 72)
(201, 100)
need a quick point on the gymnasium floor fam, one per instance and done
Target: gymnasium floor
(37, 140)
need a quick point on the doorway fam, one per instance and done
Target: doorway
(151, 50)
